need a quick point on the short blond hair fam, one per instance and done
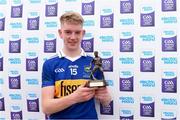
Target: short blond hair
(72, 18)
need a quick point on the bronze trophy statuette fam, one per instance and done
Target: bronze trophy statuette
(94, 82)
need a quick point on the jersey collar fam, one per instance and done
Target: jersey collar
(62, 54)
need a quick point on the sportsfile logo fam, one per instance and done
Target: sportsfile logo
(66, 87)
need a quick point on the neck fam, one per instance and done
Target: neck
(72, 53)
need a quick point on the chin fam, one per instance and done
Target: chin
(73, 48)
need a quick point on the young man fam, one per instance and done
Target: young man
(64, 78)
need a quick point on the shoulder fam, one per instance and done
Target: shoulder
(88, 55)
(52, 59)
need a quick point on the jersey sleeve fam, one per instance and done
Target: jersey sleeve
(47, 75)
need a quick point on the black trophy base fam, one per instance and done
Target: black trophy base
(96, 83)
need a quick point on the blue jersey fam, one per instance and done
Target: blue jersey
(66, 76)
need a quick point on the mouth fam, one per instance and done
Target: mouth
(72, 43)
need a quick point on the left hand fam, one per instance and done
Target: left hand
(102, 94)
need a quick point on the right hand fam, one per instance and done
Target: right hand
(83, 94)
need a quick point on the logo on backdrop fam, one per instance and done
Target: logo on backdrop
(2, 21)
(169, 101)
(107, 110)
(107, 60)
(126, 114)
(126, 42)
(31, 61)
(33, 21)
(14, 79)
(169, 41)
(50, 43)
(15, 43)
(32, 81)
(88, 42)
(147, 61)
(169, 81)
(168, 115)
(32, 102)
(87, 7)
(16, 112)
(126, 6)
(106, 18)
(147, 16)
(16, 9)
(147, 106)
(148, 83)
(126, 60)
(126, 80)
(1, 62)
(169, 20)
(169, 60)
(168, 5)
(2, 104)
(51, 8)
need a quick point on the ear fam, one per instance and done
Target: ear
(60, 33)
(84, 32)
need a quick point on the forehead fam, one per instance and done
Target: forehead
(71, 26)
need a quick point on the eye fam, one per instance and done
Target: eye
(68, 32)
(78, 32)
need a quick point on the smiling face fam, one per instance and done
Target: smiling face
(72, 34)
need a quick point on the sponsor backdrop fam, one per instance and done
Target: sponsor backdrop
(137, 40)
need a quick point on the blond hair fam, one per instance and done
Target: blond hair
(72, 18)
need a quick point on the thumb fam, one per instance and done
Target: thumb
(84, 84)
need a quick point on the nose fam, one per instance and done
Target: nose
(73, 35)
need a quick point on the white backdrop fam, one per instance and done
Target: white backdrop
(137, 39)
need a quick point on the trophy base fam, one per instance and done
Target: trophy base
(96, 83)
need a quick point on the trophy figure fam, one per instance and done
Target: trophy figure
(97, 62)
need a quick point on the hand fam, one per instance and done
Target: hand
(102, 94)
(83, 94)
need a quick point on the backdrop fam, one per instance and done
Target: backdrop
(137, 40)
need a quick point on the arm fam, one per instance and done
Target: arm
(51, 105)
(102, 94)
